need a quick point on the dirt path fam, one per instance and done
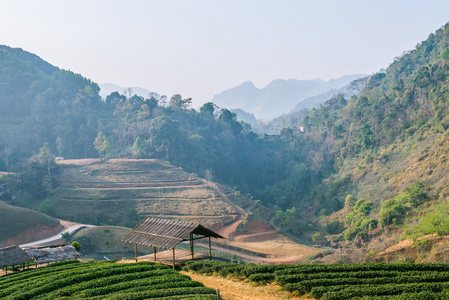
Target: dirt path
(239, 290)
(290, 259)
(227, 230)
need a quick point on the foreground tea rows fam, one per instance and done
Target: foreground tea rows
(102, 280)
(343, 281)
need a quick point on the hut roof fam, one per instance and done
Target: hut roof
(13, 255)
(52, 254)
(163, 233)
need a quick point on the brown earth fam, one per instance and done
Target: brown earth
(37, 232)
(241, 290)
(257, 232)
(262, 238)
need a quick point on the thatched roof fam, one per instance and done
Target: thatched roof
(52, 254)
(163, 233)
(13, 255)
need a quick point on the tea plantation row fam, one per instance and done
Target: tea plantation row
(102, 280)
(343, 281)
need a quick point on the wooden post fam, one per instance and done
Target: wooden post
(174, 258)
(191, 246)
(218, 295)
(154, 251)
(210, 251)
(136, 252)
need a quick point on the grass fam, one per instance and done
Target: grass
(103, 239)
(14, 220)
(98, 193)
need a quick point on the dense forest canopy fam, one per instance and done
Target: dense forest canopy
(344, 161)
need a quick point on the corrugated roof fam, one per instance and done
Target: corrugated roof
(52, 254)
(13, 255)
(163, 233)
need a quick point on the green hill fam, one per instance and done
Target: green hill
(15, 220)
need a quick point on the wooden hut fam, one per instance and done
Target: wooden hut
(166, 234)
(52, 254)
(13, 255)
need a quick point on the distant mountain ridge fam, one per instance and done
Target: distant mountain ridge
(278, 97)
(108, 88)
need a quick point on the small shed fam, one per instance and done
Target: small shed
(166, 234)
(52, 254)
(13, 255)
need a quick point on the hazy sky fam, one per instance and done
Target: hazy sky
(200, 48)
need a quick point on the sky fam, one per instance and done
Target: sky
(200, 48)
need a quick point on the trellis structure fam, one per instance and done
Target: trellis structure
(166, 234)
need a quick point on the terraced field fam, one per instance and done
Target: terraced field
(102, 193)
(102, 280)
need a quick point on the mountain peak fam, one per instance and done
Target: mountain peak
(278, 97)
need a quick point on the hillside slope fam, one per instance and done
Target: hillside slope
(123, 191)
(57, 104)
(387, 149)
(20, 225)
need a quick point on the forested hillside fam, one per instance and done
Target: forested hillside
(363, 166)
(387, 148)
(41, 103)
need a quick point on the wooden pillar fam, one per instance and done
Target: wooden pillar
(154, 251)
(210, 251)
(174, 258)
(136, 252)
(191, 246)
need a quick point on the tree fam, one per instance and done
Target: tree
(177, 102)
(391, 212)
(46, 158)
(59, 145)
(416, 194)
(76, 245)
(6, 157)
(350, 201)
(115, 98)
(164, 133)
(102, 145)
(358, 85)
(287, 132)
(208, 109)
(209, 174)
(138, 147)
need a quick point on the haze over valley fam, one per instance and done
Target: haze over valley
(226, 124)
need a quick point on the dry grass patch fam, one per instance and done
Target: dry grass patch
(241, 290)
